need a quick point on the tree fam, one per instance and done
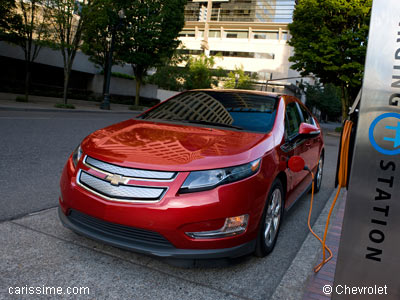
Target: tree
(26, 26)
(239, 80)
(330, 40)
(150, 34)
(67, 19)
(199, 73)
(102, 20)
(171, 76)
(8, 17)
(324, 98)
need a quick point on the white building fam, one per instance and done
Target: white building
(248, 33)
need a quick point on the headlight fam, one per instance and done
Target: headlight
(76, 155)
(206, 180)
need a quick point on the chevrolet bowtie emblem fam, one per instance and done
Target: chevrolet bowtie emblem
(116, 179)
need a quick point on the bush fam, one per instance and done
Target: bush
(120, 75)
(243, 82)
(326, 99)
(21, 99)
(338, 129)
(62, 105)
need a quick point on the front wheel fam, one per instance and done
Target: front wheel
(270, 220)
(318, 174)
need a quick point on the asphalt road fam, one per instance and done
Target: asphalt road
(34, 147)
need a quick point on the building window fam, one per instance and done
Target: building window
(237, 34)
(190, 51)
(243, 54)
(284, 36)
(265, 35)
(214, 33)
(187, 33)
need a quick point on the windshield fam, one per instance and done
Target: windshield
(236, 110)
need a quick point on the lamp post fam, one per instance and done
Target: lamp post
(237, 76)
(106, 101)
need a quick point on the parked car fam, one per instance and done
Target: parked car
(201, 175)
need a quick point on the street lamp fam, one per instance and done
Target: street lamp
(237, 76)
(106, 102)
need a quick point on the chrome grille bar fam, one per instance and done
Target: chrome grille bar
(126, 193)
(129, 172)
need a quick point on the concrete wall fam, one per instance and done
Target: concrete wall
(163, 95)
(54, 58)
(118, 86)
(122, 86)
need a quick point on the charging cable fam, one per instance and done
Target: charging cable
(342, 182)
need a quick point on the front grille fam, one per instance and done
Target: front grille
(117, 232)
(120, 192)
(129, 172)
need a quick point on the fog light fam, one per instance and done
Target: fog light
(233, 226)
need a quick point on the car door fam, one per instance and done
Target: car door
(311, 144)
(294, 145)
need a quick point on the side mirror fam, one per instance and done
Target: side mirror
(296, 164)
(308, 130)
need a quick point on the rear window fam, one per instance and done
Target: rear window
(236, 110)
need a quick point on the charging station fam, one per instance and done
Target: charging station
(368, 263)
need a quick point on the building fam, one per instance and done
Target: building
(248, 33)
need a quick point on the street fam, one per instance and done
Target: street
(34, 147)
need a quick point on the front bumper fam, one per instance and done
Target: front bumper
(166, 251)
(170, 218)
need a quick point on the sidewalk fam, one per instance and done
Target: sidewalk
(316, 282)
(39, 103)
(300, 281)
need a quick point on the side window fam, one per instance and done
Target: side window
(306, 116)
(293, 120)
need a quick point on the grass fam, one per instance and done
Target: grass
(21, 99)
(62, 105)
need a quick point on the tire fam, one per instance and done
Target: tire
(318, 174)
(270, 220)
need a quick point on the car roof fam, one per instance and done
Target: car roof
(275, 95)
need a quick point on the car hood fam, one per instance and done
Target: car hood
(174, 147)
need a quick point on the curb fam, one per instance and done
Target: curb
(294, 282)
(37, 109)
(333, 133)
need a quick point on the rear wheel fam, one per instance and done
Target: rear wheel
(270, 220)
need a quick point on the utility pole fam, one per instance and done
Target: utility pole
(204, 42)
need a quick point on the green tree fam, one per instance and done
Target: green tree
(25, 25)
(330, 39)
(171, 74)
(324, 98)
(150, 34)
(238, 79)
(67, 19)
(102, 21)
(199, 73)
(8, 17)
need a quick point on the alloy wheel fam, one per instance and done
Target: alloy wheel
(319, 172)
(273, 217)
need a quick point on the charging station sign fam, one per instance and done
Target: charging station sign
(368, 265)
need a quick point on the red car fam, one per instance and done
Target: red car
(201, 175)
